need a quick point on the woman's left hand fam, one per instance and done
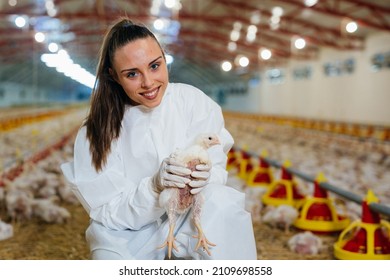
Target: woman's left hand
(200, 177)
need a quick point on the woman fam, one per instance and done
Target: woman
(121, 158)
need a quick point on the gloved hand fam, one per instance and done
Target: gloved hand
(170, 174)
(200, 177)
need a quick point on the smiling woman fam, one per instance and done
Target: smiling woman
(140, 68)
(123, 158)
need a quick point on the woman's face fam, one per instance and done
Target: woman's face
(141, 71)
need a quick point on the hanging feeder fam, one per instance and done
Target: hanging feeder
(245, 164)
(233, 159)
(365, 239)
(284, 190)
(261, 176)
(318, 213)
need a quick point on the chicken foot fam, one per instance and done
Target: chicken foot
(170, 241)
(202, 240)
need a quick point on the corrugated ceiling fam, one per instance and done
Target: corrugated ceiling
(197, 34)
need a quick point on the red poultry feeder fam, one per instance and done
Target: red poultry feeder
(233, 159)
(365, 239)
(245, 164)
(318, 213)
(261, 175)
(284, 190)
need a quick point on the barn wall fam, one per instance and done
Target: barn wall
(362, 96)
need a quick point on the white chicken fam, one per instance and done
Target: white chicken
(305, 243)
(48, 211)
(283, 215)
(253, 202)
(180, 200)
(19, 203)
(6, 230)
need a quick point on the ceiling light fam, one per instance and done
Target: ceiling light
(64, 64)
(252, 29)
(169, 3)
(39, 37)
(234, 35)
(20, 21)
(63, 53)
(155, 8)
(53, 47)
(300, 43)
(243, 61)
(232, 46)
(255, 18)
(12, 3)
(49, 5)
(250, 37)
(277, 11)
(226, 66)
(274, 20)
(52, 12)
(251, 33)
(265, 54)
(158, 24)
(310, 3)
(169, 58)
(173, 4)
(351, 27)
(50, 8)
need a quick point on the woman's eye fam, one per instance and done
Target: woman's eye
(154, 66)
(131, 74)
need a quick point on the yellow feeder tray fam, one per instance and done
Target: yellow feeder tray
(344, 250)
(261, 176)
(284, 191)
(365, 239)
(318, 213)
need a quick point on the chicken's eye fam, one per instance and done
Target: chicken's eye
(210, 138)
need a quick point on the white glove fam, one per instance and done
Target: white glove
(200, 177)
(170, 174)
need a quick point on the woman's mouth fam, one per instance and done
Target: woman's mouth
(150, 95)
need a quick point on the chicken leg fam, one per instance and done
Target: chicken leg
(196, 214)
(170, 240)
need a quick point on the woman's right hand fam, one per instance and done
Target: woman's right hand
(170, 174)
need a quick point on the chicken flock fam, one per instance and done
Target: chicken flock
(352, 164)
(40, 190)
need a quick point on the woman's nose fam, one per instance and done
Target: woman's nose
(147, 81)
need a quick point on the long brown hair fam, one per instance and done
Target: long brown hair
(108, 99)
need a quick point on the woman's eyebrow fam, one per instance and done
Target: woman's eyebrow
(132, 69)
(153, 61)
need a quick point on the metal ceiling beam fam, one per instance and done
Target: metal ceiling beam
(292, 26)
(324, 7)
(205, 28)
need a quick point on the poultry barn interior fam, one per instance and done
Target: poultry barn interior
(304, 88)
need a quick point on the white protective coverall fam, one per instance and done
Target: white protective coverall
(126, 220)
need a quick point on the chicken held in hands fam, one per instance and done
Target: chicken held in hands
(178, 201)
